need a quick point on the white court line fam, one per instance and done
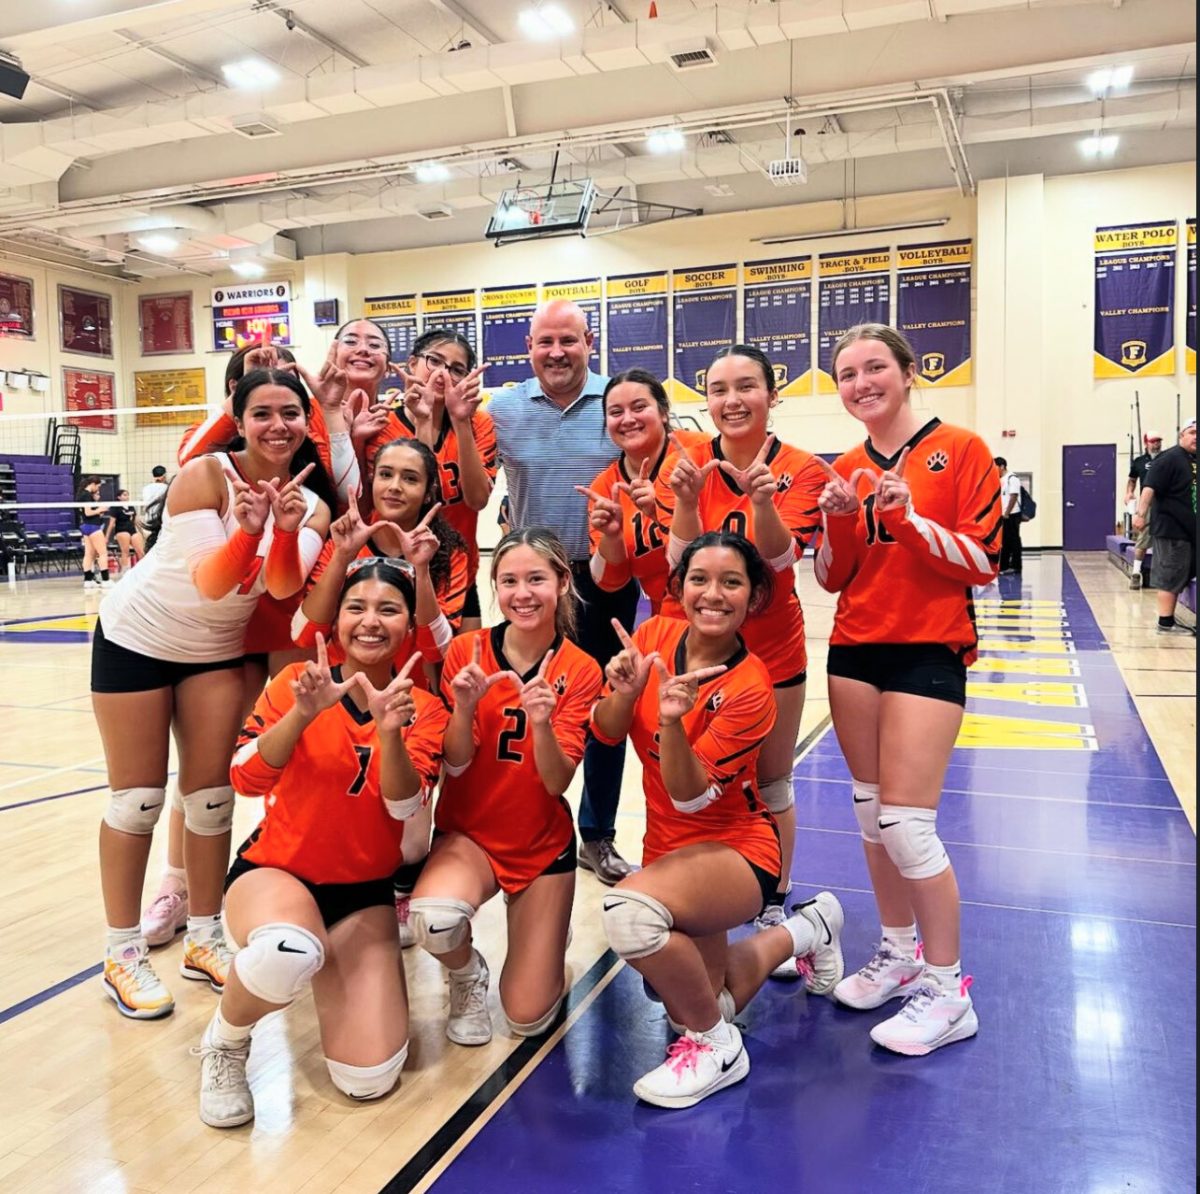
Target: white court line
(50, 774)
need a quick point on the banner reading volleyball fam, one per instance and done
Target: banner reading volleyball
(637, 323)
(705, 320)
(452, 310)
(854, 288)
(585, 293)
(777, 317)
(1190, 328)
(933, 309)
(397, 315)
(506, 314)
(1135, 300)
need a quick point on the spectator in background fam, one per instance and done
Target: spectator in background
(1010, 505)
(1152, 441)
(1171, 486)
(153, 490)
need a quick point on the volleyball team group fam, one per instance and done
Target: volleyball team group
(306, 623)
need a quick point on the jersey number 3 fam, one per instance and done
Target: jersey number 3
(510, 735)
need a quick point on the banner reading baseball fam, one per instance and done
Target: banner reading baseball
(854, 288)
(637, 323)
(777, 316)
(933, 309)
(397, 315)
(1135, 300)
(705, 320)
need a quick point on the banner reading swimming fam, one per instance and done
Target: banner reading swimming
(637, 323)
(1190, 327)
(777, 317)
(1135, 300)
(854, 288)
(705, 320)
(585, 294)
(933, 309)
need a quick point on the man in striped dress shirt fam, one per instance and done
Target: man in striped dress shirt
(550, 437)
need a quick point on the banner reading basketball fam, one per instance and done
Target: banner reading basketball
(585, 294)
(777, 310)
(854, 288)
(1135, 300)
(705, 320)
(637, 323)
(452, 311)
(506, 314)
(933, 309)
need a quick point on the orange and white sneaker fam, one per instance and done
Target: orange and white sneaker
(207, 959)
(130, 981)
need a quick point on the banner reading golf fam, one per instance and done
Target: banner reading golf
(777, 317)
(705, 320)
(585, 293)
(637, 323)
(1135, 300)
(854, 288)
(506, 312)
(933, 309)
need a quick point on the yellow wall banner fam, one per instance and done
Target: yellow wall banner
(933, 309)
(163, 388)
(1135, 300)
(1189, 351)
(852, 288)
(704, 302)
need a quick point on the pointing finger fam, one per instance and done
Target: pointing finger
(702, 674)
(768, 444)
(899, 469)
(412, 662)
(661, 669)
(322, 653)
(644, 471)
(477, 650)
(545, 664)
(622, 634)
(423, 525)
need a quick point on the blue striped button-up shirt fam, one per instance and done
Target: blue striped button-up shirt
(546, 451)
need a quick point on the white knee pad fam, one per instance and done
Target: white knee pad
(278, 962)
(367, 1081)
(209, 811)
(778, 794)
(637, 925)
(911, 840)
(538, 1026)
(866, 809)
(135, 810)
(439, 925)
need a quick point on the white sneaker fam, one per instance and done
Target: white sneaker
(696, 1067)
(130, 981)
(771, 916)
(724, 1006)
(89, 586)
(225, 1099)
(407, 937)
(929, 1019)
(469, 1022)
(822, 969)
(884, 977)
(164, 916)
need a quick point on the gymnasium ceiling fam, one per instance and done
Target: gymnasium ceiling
(129, 127)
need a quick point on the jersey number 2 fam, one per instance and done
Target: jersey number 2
(513, 734)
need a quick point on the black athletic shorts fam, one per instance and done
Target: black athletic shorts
(117, 669)
(921, 669)
(335, 901)
(471, 606)
(768, 883)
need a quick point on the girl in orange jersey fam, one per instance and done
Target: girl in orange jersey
(698, 708)
(441, 408)
(747, 481)
(629, 521)
(912, 521)
(344, 755)
(520, 694)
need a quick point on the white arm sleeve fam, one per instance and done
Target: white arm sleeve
(345, 466)
(200, 533)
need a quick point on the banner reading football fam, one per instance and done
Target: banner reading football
(585, 294)
(1135, 300)
(1190, 333)
(777, 316)
(453, 311)
(854, 288)
(705, 320)
(933, 309)
(506, 314)
(397, 315)
(637, 323)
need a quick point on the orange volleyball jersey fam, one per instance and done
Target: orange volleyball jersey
(499, 801)
(905, 576)
(734, 712)
(325, 818)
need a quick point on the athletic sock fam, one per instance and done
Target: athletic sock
(719, 1033)
(203, 928)
(802, 933)
(470, 969)
(1136, 567)
(88, 574)
(225, 1035)
(1169, 620)
(121, 937)
(949, 978)
(104, 574)
(903, 940)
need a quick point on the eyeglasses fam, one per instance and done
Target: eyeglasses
(433, 361)
(374, 344)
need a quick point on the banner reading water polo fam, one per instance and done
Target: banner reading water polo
(1135, 300)
(1190, 331)
(933, 309)
(585, 293)
(452, 310)
(777, 317)
(397, 315)
(637, 323)
(506, 314)
(705, 320)
(853, 288)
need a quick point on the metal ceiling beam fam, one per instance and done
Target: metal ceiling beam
(294, 22)
(473, 26)
(188, 68)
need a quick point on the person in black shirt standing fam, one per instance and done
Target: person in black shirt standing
(1171, 485)
(1137, 478)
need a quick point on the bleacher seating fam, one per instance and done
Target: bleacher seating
(38, 537)
(1120, 551)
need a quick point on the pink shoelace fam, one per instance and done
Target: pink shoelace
(804, 967)
(685, 1053)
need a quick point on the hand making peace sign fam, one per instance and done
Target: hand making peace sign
(605, 513)
(537, 697)
(393, 707)
(315, 689)
(687, 477)
(628, 670)
(677, 694)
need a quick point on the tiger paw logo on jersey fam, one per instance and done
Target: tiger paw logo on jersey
(784, 483)
(715, 701)
(933, 364)
(560, 684)
(937, 461)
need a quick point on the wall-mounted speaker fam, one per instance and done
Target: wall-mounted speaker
(13, 80)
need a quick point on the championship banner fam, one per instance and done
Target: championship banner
(933, 309)
(397, 315)
(506, 314)
(585, 294)
(1189, 355)
(853, 288)
(164, 388)
(451, 311)
(705, 307)
(777, 317)
(1135, 300)
(87, 390)
(241, 314)
(637, 323)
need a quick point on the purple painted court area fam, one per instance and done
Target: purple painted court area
(1078, 872)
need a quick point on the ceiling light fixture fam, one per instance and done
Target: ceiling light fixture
(247, 269)
(545, 22)
(664, 140)
(250, 74)
(431, 172)
(783, 238)
(1110, 78)
(158, 242)
(1099, 146)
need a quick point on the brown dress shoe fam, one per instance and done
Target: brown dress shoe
(602, 859)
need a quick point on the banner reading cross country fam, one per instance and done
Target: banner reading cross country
(397, 315)
(585, 293)
(506, 314)
(637, 323)
(933, 309)
(1190, 328)
(777, 317)
(1135, 300)
(705, 307)
(854, 288)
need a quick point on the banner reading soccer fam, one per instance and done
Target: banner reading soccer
(397, 315)
(637, 323)
(777, 316)
(933, 309)
(854, 288)
(1190, 332)
(1135, 300)
(585, 293)
(705, 320)
(506, 313)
